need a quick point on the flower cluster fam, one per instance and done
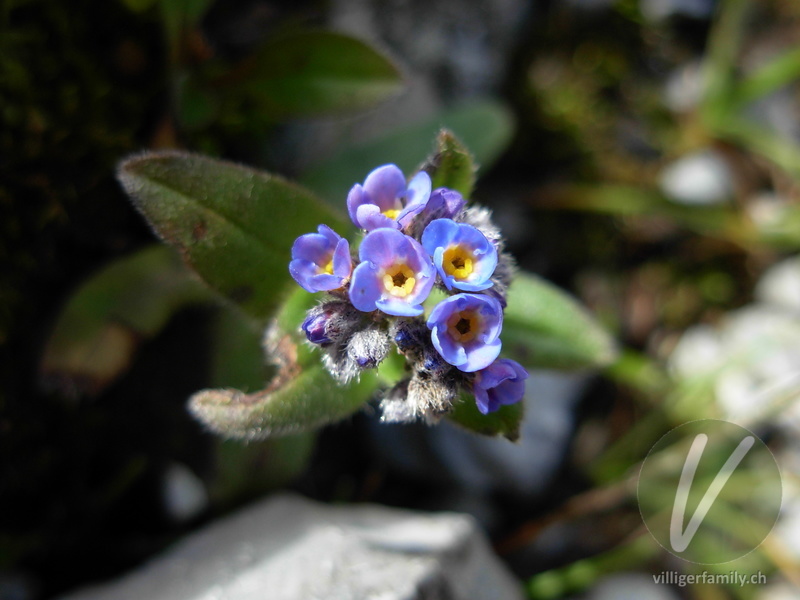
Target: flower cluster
(416, 240)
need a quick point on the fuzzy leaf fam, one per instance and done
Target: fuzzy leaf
(233, 225)
(313, 73)
(452, 165)
(483, 127)
(106, 319)
(307, 401)
(301, 397)
(546, 328)
(505, 421)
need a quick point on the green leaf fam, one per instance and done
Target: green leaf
(306, 402)
(777, 73)
(452, 165)
(505, 421)
(243, 470)
(301, 397)
(483, 127)
(312, 73)
(546, 328)
(105, 320)
(233, 225)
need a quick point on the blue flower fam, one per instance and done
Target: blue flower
(395, 275)
(463, 256)
(321, 261)
(385, 200)
(445, 203)
(502, 382)
(465, 329)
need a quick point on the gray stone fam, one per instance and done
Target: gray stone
(290, 548)
(631, 586)
(485, 465)
(702, 178)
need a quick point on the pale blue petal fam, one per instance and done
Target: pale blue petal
(399, 308)
(480, 356)
(385, 185)
(312, 247)
(342, 263)
(370, 217)
(365, 288)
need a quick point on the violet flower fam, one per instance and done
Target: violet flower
(501, 383)
(385, 200)
(321, 261)
(395, 274)
(465, 330)
(463, 256)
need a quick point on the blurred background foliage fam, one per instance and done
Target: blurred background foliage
(642, 154)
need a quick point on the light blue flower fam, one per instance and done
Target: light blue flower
(385, 200)
(465, 330)
(463, 256)
(395, 274)
(321, 261)
(502, 382)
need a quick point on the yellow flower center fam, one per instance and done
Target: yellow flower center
(399, 280)
(392, 213)
(457, 262)
(464, 326)
(327, 269)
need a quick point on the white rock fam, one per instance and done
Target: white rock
(780, 285)
(684, 88)
(290, 548)
(185, 495)
(702, 178)
(631, 586)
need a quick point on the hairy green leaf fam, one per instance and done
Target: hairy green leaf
(452, 165)
(130, 300)
(546, 328)
(301, 397)
(233, 225)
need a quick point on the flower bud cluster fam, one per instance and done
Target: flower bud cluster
(415, 239)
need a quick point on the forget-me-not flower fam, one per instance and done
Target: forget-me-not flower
(465, 330)
(321, 261)
(385, 200)
(463, 256)
(395, 274)
(502, 382)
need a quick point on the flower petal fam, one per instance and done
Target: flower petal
(370, 217)
(480, 356)
(385, 185)
(365, 287)
(355, 198)
(342, 263)
(399, 308)
(312, 247)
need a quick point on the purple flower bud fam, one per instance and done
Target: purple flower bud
(314, 327)
(321, 261)
(465, 329)
(385, 200)
(395, 274)
(502, 382)
(444, 203)
(463, 256)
